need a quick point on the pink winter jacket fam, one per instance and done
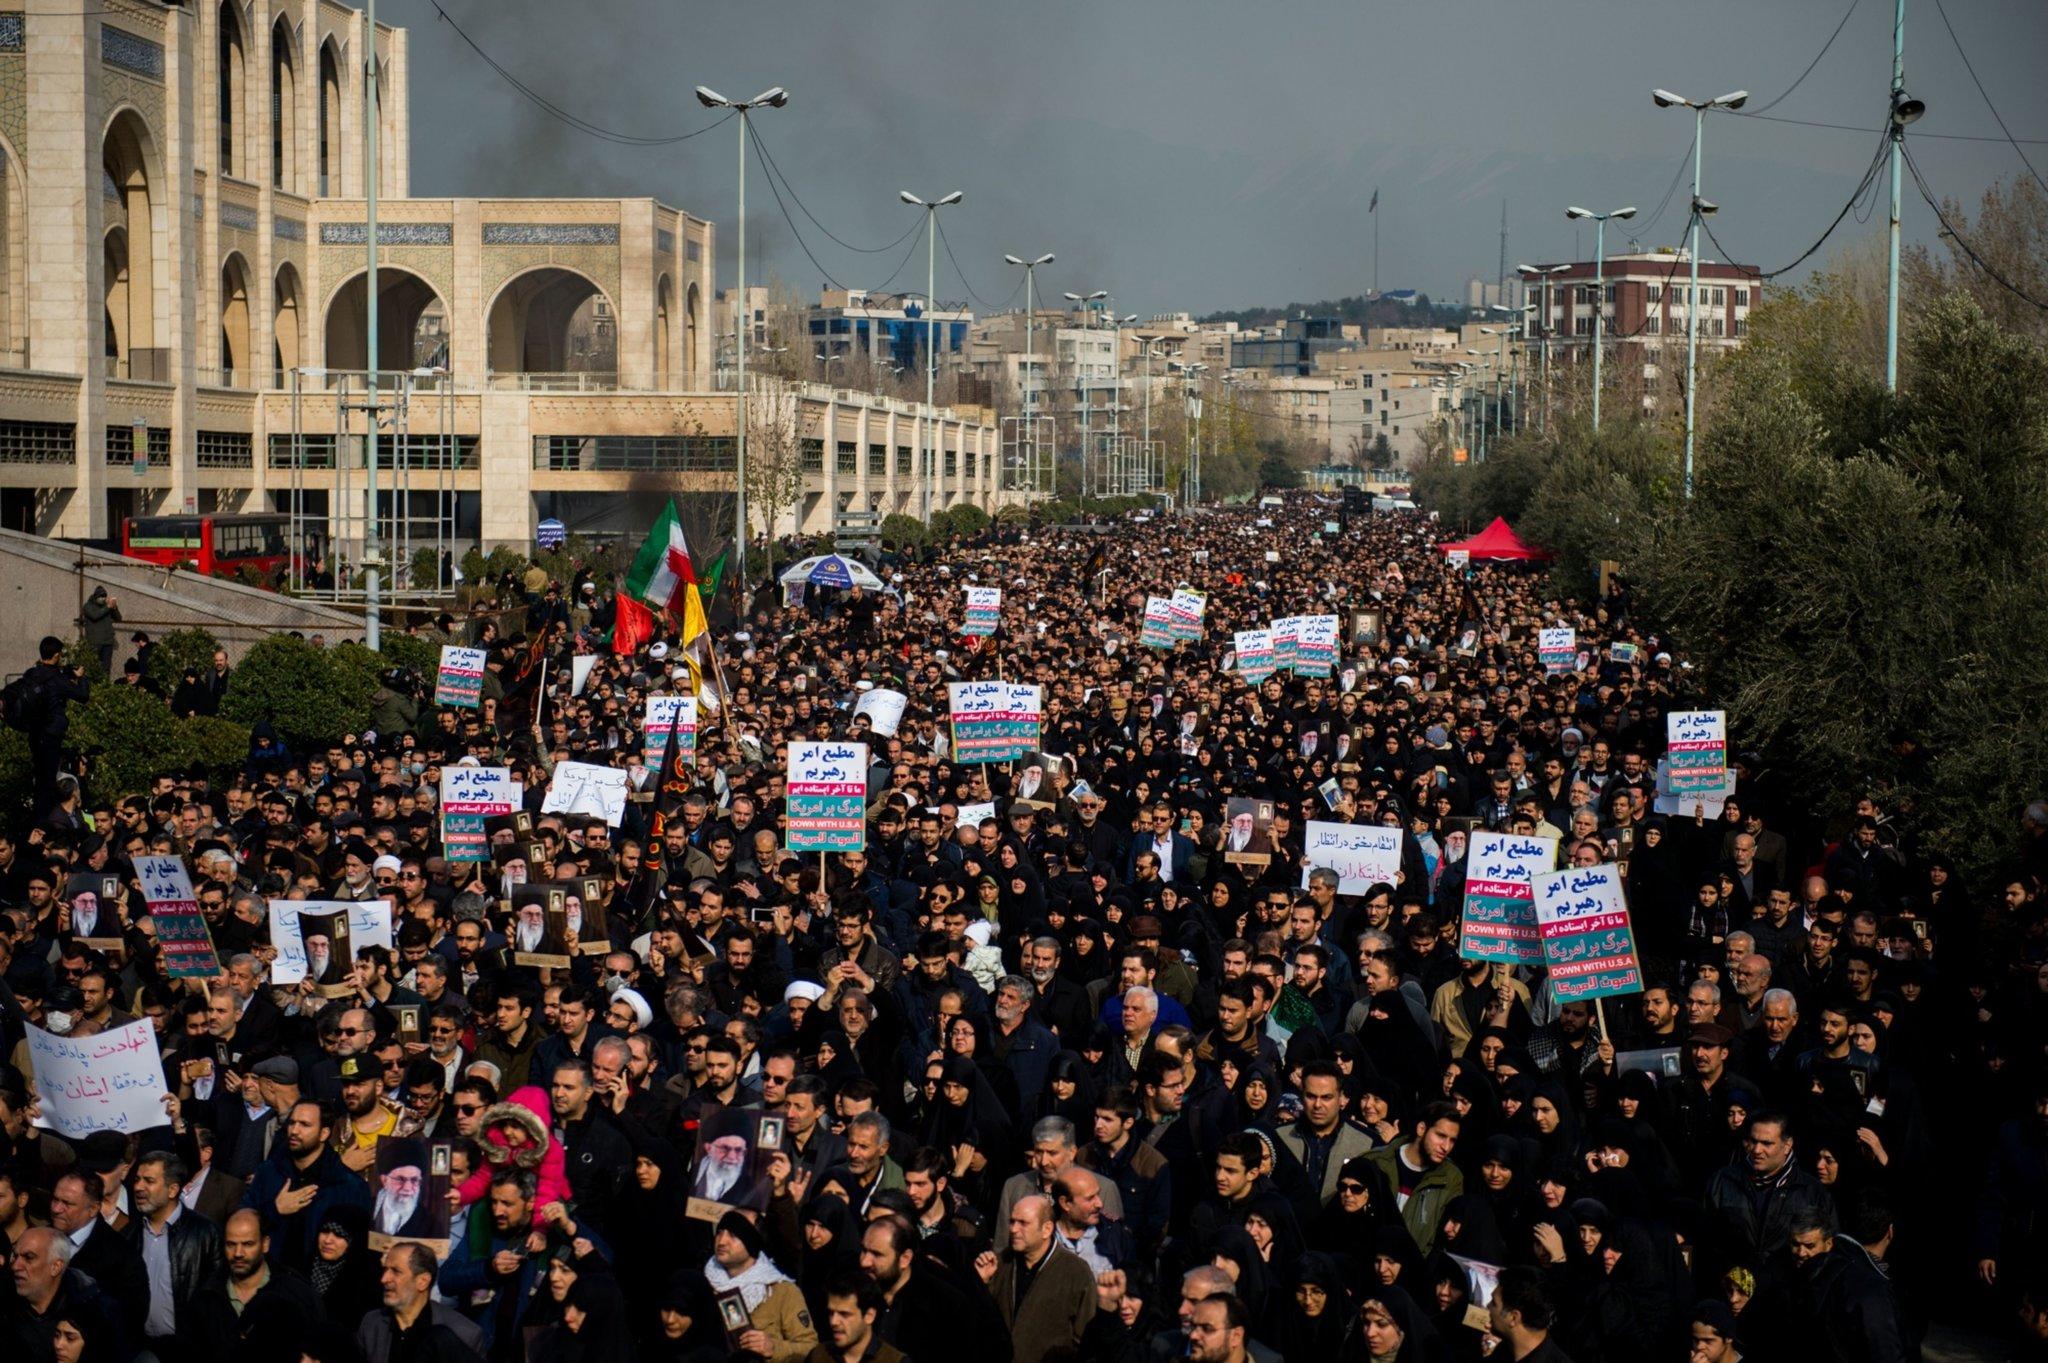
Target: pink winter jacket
(527, 1110)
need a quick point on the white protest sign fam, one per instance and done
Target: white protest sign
(111, 1081)
(970, 816)
(884, 709)
(1362, 855)
(585, 788)
(369, 925)
(579, 672)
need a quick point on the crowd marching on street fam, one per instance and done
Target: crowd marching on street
(1143, 1021)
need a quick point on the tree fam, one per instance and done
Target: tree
(178, 650)
(310, 695)
(1381, 455)
(2010, 236)
(775, 455)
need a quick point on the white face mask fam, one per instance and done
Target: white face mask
(59, 1023)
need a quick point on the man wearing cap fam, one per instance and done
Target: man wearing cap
(369, 1116)
(1701, 1141)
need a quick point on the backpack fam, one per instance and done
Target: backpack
(25, 701)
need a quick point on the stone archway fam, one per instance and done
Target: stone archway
(237, 360)
(412, 323)
(664, 325)
(128, 159)
(287, 325)
(552, 320)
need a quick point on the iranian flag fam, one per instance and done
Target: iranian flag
(664, 578)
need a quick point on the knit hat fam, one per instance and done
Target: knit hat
(742, 1229)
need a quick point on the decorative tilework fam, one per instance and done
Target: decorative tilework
(131, 52)
(118, 87)
(13, 33)
(239, 216)
(550, 234)
(388, 234)
(14, 99)
(665, 242)
(287, 229)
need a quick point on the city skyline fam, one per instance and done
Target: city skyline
(1201, 157)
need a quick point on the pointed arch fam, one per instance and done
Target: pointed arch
(333, 90)
(412, 322)
(552, 320)
(287, 321)
(284, 108)
(231, 79)
(133, 171)
(237, 364)
(664, 328)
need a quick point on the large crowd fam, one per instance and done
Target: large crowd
(1067, 1076)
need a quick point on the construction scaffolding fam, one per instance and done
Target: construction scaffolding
(334, 415)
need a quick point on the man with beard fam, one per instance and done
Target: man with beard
(922, 1313)
(272, 1304)
(299, 1187)
(1062, 1005)
(319, 957)
(369, 1117)
(1024, 1047)
(401, 1210)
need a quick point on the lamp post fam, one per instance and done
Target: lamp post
(929, 459)
(1664, 99)
(1599, 288)
(1905, 109)
(1090, 302)
(1543, 327)
(1031, 355)
(774, 98)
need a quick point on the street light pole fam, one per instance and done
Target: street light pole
(1664, 99)
(929, 459)
(1905, 109)
(1030, 403)
(774, 98)
(1599, 289)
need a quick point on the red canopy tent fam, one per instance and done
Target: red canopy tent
(1496, 541)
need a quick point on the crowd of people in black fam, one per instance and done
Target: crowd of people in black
(1055, 1066)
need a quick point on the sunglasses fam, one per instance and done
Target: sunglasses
(469, 1109)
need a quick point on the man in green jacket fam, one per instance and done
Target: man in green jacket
(1420, 1172)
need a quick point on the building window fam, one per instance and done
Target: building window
(811, 456)
(1741, 326)
(1720, 298)
(1653, 324)
(1582, 326)
(38, 442)
(1742, 298)
(224, 450)
(635, 454)
(848, 458)
(1656, 292)
(878, 461)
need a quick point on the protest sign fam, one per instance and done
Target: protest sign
(174, 908)
(369, 925)
(469, 797)
(1248, 831)
(1186, 608)
(1709, 802)
(1254, 654)
(585, 788)
(1622, 653)
(1458, 558)
(670, 718)
(460, 680)
(1557, 648)
(1315, 645)
(1286, 633)
(580, 668)
(1697, 745)
(1588, 945)
(1362, 854)
(993, 721)
(1158, 627)
(884, 709)
(1499, 918)
(110, 1081)
(827, 797)
(970, 816)
(984, 610)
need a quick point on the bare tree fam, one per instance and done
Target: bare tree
(775, 454)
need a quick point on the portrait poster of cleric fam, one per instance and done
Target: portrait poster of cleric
(411, 1201)
(731, 1168)
(330, 960)
(540, 921)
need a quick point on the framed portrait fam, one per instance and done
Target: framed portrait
(1366, 627)
(732, 1314)
(731, 1165)
(540, 918)
(1248, 831)
(330, 957)
(586, 915)
(407, 1018)
(770, 1137)
(94, 899)
(411, 1194)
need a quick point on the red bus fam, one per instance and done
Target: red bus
(219, 546)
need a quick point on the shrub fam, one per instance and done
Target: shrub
(969, 519)
(309, 695)
(125, 737)
(178, 650)
(903, 532)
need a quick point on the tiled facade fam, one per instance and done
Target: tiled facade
(194, 173)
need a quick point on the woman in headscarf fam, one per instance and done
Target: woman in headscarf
(1450, 1296)
(1381, 1108)
(343, 1271)
(1622, 1300)
(1471, 1232)
(594, 1318)
(1314, 1330)
(1254, 1094)
(1393, 1329)
(1347, 1224)
(1237, 1254)
(1395, 1262)
(1551, 1118)
(648, 1248)
(1397, 1046)
(1069, 1092)
(831, 1243)
(968, 1122)
(686, 1327)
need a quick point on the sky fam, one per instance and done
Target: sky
(1195, 155)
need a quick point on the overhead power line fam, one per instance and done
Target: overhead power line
(560, 114)
(1962, 242)
(1810, 65)
(1996, 116)
(776, 170)
(1863, 185)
